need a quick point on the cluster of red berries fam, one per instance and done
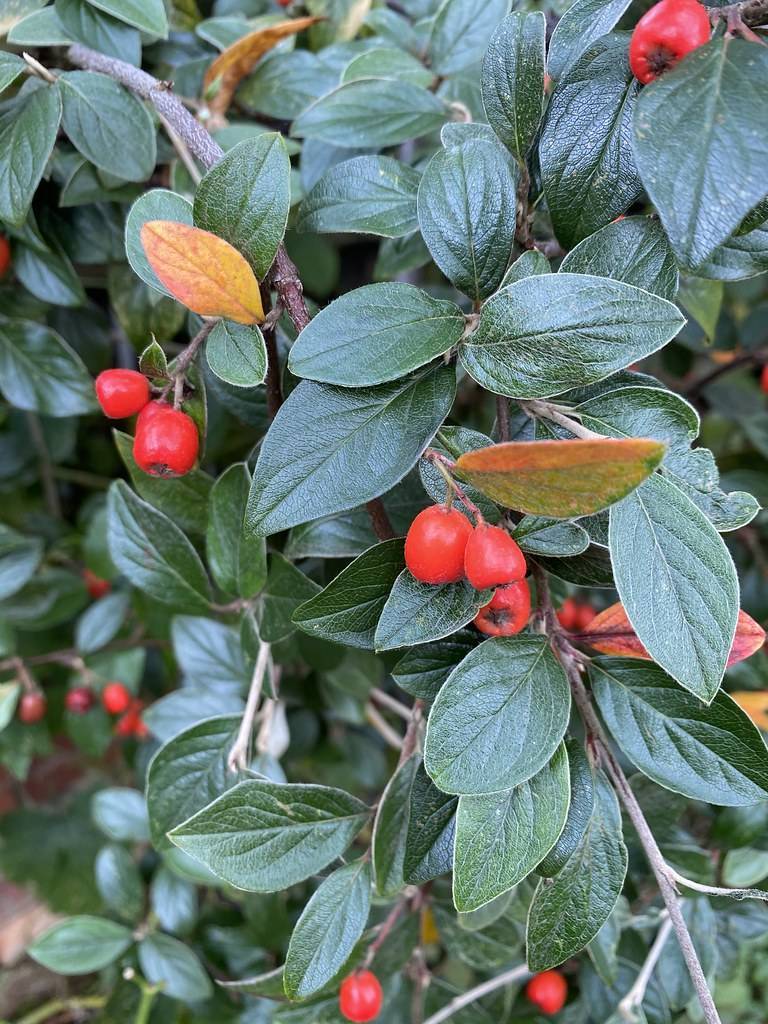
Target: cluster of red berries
(5, 255)
(575, 616)
(166, 442)
(664, 35)
(115, 697)
(442, 546)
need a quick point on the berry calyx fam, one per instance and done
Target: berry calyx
(548, 991)
(764, 378)
(166, 441)
(664, 35)
(79, 700)
(507, 612)
(95, 585)
(32, 708)
(435, 545)
(121, 393)
(116, 698)
(360, 996)
(492, 558)
(5, 255)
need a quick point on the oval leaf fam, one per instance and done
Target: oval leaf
(80, 945)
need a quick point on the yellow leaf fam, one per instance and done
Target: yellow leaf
(202, 271)
(238, 60)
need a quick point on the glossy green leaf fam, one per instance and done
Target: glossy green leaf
(580, 808)
(710, 753)
(238, 563)
(287, 588)
(374, 195)
(551, 332)
(28, 129)
(390, 829)
(502, 837)
(461, 32)
(499, 718)
(146, 15)
(739, 257)
(171, 964)
(569, 910)
(513, 80)
(81, 945)
(41, 373)
(236, 353)
(422, 670)
(331, 448)
(431, 828)
(153, 553)
(188, 773)
(538, 535)
(583, 23)
(328, 930)
(416, 612)
(173, 900)
(246, 197)
(677, 583)
(466, 207)
(388, 61)
(347, 610)
(265, 836)
(683, 159)
(375, 334)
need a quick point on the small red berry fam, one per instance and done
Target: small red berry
(507, 612)
(122, 393)
(79, 700)
(166, 441)
(32, 707)
(548, 991)
(435, 543)
(568, 613)
(5, 255)
(492, 558)
(360, 996)
(764, 378)
(131, 723)
(664, 35)
(95, 585)
(584, 615)
(116, 698)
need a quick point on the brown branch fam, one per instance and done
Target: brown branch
(285, 277)
(502, 418)
(273, 385)
(380, 521)
(751, 12)
(758, 357)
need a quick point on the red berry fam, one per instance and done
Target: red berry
(568, 614)
(664, 35)
(131, 723)
(360, 996)
(584, 615)
(116, 698)
(434, 546)
(95, 585)
(5, 255)
(492, 558)
(764, 378)
(548, 991)
(507, 612)
(166, 441)
(122, 393)
(79, 700)
(32, 707)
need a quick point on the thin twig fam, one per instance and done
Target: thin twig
(38, 69)
(182, 150)
(538, 409)
(72, 1004)
(719, 890)
(392, 703)
(510, 977)
(382, 727)
(759, 357)
(412, 739)
(237, 760)
(445, 467)
(633, 1000)
(384, 931)
(45, 464)
(502, 418)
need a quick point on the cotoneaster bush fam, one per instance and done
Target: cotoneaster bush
(380, 638)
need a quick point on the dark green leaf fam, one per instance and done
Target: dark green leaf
(328, 930)
(264, 836)
(238, 562)
(153, 553)
(388, 61)
(287, 588)
(40, 372)
(19, 558)
(370, 194)
(28, 130)
(416, 612)
(570, 909)
(555, 538)
(740, 257)
(99, 31)
(331, 449)
(583, 23)
(119, 882)
(237, 354)
(466, 206)
(11, 66)
(677, 583)
(551, 332)
(209, 654)
(390, 829)
(80, 945)
(683, 160)
(348, 609)
(579, 811)
(169, 963)
(502, 837)
(710, 753)
(101, 622)
(513, 80)
(188, 773)
(245, 199)
(431, 828)
(121, 814)
(147, 15)
(499, 717)
(157, 204)
(174, 901)
(422, 670)
(375, 334)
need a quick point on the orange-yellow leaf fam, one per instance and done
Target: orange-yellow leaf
(755, 704)
(205, 273)
(611, 632)
(561, 478)
(238, 60)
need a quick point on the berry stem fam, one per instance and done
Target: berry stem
(633, 1000)
(185, 359)
(444, 465)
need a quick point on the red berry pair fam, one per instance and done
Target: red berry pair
(575, 616)
(664, 35)
(360, 997)
(131, 723)
(442, 547)
(166, 441)
(548, 991)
